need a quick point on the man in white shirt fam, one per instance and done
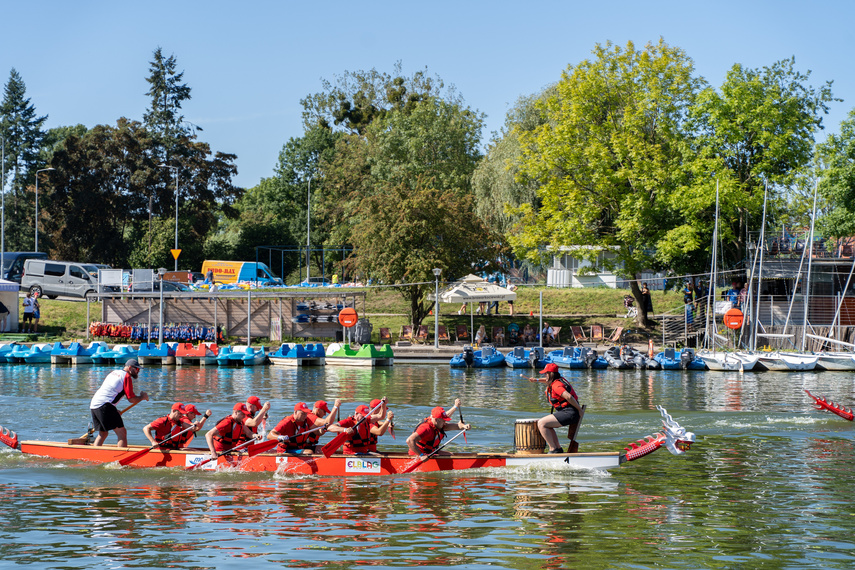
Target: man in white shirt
(105, 416)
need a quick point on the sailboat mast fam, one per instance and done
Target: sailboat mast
(755, 322)
(810, 257)
(711, 292)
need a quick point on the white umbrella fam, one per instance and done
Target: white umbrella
(473, 289)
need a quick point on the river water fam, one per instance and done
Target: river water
(768, 483)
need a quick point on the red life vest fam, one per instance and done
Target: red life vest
(557, 402)
(360, 440)
(166, 428)
(433, 442)
(232, 436)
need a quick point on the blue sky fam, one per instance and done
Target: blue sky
(250, 63)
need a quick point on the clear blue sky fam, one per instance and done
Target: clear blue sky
(250, 63)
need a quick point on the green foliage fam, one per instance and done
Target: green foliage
(357, 98)
(22, 131)
(837, 157)
(610, 156)
(167, 93)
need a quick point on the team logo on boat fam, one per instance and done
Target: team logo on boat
(190, 460)
(361, 465)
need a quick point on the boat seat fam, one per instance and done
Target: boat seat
(669, 353)
(519, 352)
(486, 351)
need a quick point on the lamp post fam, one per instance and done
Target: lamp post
(175, 168)
(3, 209)
(308, 230)
(436, 272)
(37, 205)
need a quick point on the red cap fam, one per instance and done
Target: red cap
(438, 413)
(254, 401)
(322, 406)
(551, 367)
(301, 407)
(178, 406)
(241, 407)
(191, 409)
(374, 403)
(364, 410)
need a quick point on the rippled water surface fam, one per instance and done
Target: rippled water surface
(767, 485)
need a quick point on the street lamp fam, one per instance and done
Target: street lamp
(436, 273)
(176, 207)
(37, 205)
(308, 230)
(3, 210)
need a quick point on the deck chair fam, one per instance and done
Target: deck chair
(443, 334)
(499, 336)
(385, 336)
(462, 333)
(406, 333)
(578, 334)
(597, 333)
(422, 335)
(513, 334)
(556, 335)
(616, 337)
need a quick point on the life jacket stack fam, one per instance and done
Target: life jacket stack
(171, 332)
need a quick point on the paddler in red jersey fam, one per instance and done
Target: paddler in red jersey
(256, 413)
(383, 419)
(565, 404)
(358, 440)
(171, 425)
(321, 410)
(428, 435)
(229, 431)
(291, 430)
(105, 416)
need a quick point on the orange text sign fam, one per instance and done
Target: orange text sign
(348, 317)
(733, 318)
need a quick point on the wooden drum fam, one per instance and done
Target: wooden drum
(527, 438)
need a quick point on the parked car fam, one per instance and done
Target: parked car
(54, 278)
(13, 263)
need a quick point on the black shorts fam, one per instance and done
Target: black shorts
(107, 418)
(566, 416)
(28, 317)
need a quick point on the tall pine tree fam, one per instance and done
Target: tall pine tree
(163, 118)
(22, 130)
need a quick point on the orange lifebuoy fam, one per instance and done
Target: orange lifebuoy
(348, 317)
(733, 318)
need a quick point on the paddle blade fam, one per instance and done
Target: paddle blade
(334, 444)
(254, 450)
(411, 465)
(133, 457)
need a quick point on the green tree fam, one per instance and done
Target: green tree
(760, 126)
(609, 158)
(407, 229)
(22, 130)
(167, 93)
(837, 159)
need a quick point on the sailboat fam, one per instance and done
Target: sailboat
(793, 361)
(720, 361)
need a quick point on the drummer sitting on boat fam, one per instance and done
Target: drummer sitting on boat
(428, 435)
(565, 405)
(166, 431)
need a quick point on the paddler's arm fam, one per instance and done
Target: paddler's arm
(455, 426)
(453, 408)
(381, 429)
(147, 431)
(566, 395)
(331, 417)
(256, 421)
(209, 437)
(201, 422)
(411, 442)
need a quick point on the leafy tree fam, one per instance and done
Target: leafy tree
(760, 127)
(499, 186)
(609, 158)
(22, 130)
(167, 93)
(356, 98)
(408, 228)
(837, 157)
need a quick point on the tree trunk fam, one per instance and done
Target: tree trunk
(642, 319)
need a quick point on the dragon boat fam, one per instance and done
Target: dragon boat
(673, 437)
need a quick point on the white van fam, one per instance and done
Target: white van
(54, 278)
